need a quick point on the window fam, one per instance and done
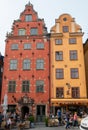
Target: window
(14, 46)
(75, 92)
(21, 32)
(34, 31)
(59, 55)
(13, 64)
(72, 40)
(27, 46)
(74, 73)
(40, 46)
(65, 19)
(28, 18)
(39, 86)
(65, 29)
(26, 64)
(25, 86)
(58, 41)
(59, 92)
(1, 69)
(12, 106)
(40, 64)
(59, 73)
(73, 55)
(11, 86)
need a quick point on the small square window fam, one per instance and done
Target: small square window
(21, 32)
(27, 46)
(72, 40)
(28, 18)
(58, 41)
(40, 46)
(65, 29)
(59, 55)
(34, 31)
(14, 46)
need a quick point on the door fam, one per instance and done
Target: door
(24, 110)
(40, 113)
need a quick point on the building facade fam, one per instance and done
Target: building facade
(1, 73)
(26, 73)
(42, 71)
(68, 84)
(85, 47)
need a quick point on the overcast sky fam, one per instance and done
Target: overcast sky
(48, 9)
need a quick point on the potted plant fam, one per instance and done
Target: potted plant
(31, 119)
(46, 121)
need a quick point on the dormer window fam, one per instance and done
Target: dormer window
(28, 18)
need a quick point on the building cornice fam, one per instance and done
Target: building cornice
(76, 34)
(56, 35)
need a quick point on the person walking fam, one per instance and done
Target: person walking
(67, 120)
(59, 116)
(75, 119)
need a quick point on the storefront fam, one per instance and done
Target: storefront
(72, 105)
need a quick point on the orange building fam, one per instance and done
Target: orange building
(85, 46)
(26, 65)
(68, 84)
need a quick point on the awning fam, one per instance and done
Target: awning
(69, 101)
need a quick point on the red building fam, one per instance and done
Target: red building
(1, 73)
(26, 68)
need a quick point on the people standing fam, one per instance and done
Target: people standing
(1, 118)
(75, 119)
(26, 116)
(59, 116)
(8, 123)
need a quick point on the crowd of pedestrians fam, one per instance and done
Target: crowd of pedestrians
(69, 119)
(7, 120)
(11, 119)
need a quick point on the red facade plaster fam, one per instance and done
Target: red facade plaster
(19, 75)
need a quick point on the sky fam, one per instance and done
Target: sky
(49, 10)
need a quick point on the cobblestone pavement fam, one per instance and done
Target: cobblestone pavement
(43, 127)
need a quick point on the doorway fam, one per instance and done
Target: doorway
(24, 110)
(40, 113)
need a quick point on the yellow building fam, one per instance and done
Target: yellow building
(85, 47)
(68, 85)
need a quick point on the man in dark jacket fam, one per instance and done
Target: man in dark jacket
(1, 118)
